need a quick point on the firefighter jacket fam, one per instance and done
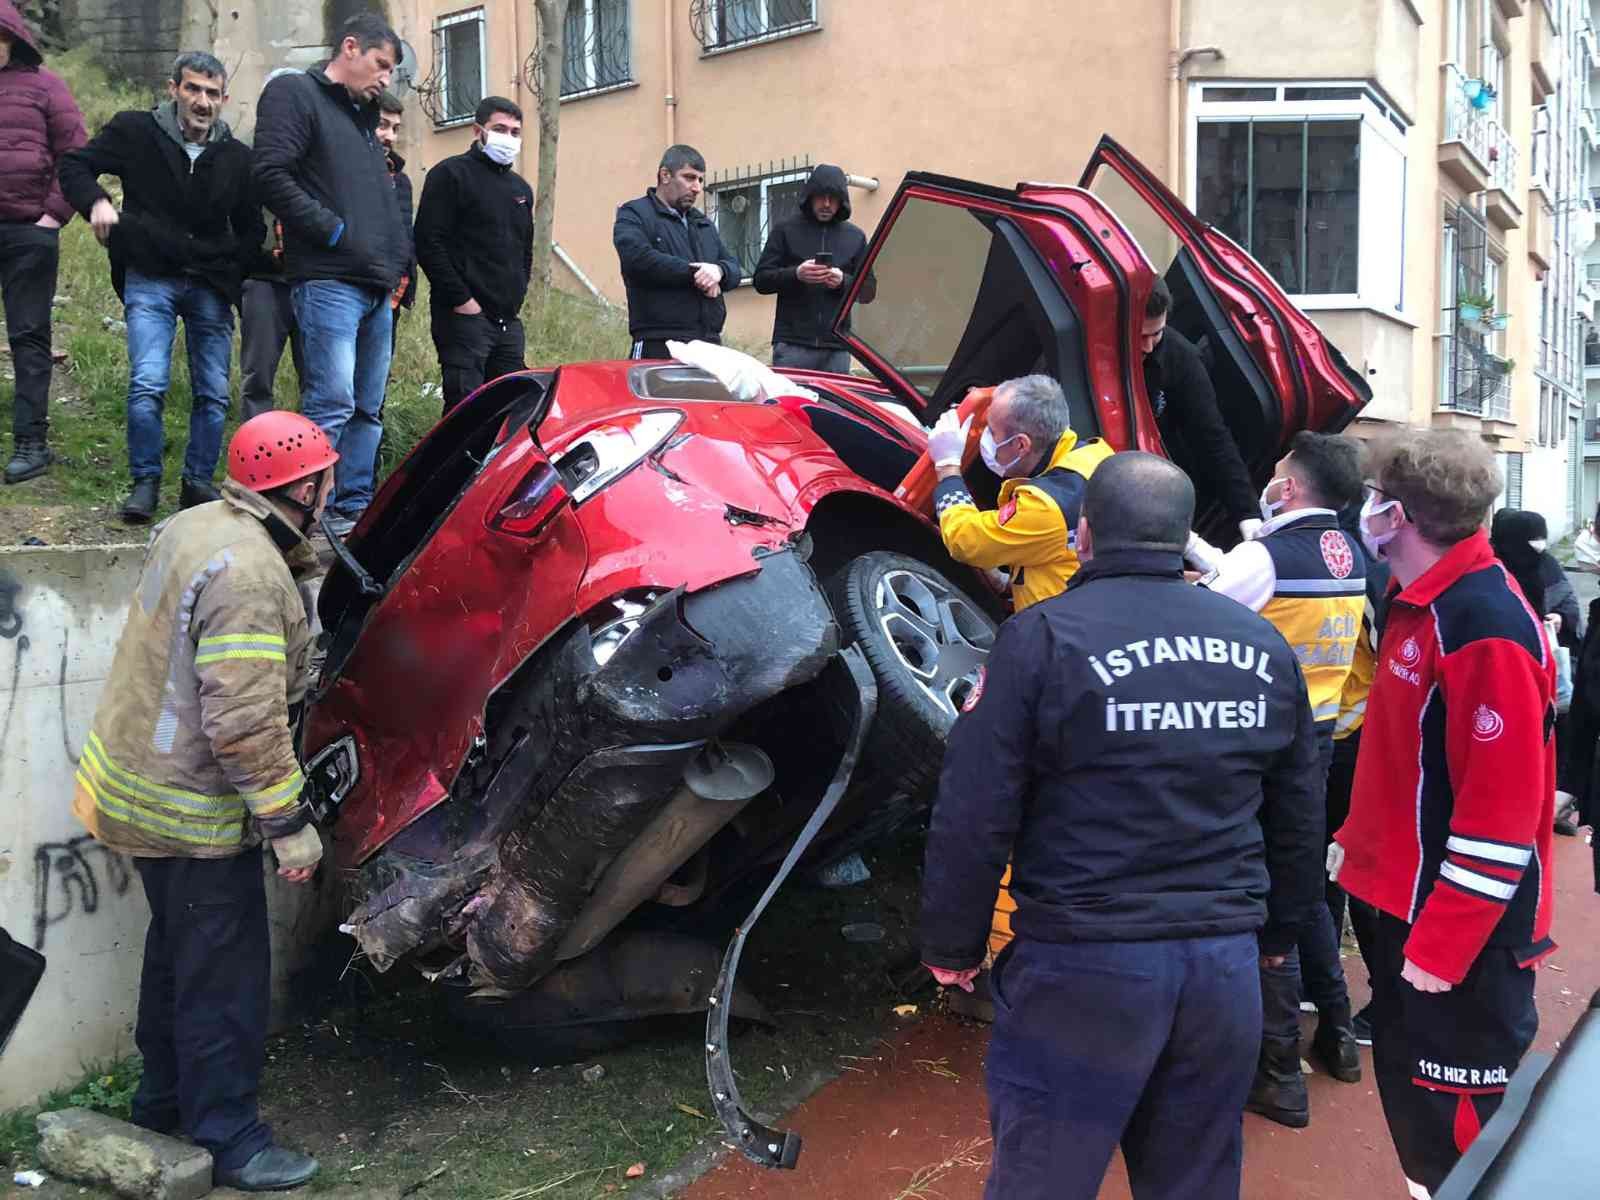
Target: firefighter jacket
(1034, 531)
(1308, 577)
(190, 754)
(1450, 822)
(1132, 703)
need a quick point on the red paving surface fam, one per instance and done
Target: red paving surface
(900, 1120)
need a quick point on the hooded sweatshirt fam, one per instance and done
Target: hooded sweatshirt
(39, 122)
(806, 311)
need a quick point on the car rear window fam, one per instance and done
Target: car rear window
(674, 381)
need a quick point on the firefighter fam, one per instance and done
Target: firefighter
(1126, 1009)
(190, 765)
(1308, 577)
(1449, 834)
(1031, 446)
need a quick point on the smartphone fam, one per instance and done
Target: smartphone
(823, 258)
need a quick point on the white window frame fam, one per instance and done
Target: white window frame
(584, 10)
(765, 183)
(760, 39)
(442, 67)
(1377, 120)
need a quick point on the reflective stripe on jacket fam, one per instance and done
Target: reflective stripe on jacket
(190, 754)
(1034, 531)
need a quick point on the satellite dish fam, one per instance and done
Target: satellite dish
(405, 72)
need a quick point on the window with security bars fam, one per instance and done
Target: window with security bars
(1473, 377)
(459, 66)
(597, 47)
(723, 23)
(746, 208)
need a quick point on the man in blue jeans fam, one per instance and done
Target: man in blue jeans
(188, 232)
(320, 168)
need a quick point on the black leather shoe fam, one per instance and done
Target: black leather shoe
(1279, 1090)
(274, 1169)
(30, 458)
(141, 503)
(194, 492)
(1335, 1047)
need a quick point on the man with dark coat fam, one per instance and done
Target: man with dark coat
(1186, 412)
(189, 231)
(39, 122)
(475, 241)
(391, 114)
(321, 170)
(674, 262)
(1126, 1008)
(810, 262)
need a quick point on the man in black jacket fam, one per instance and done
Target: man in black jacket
(1185, 404)
(674, 263)
(188, 231)
(1127, 1008)
(391, 116)
(809, 291)
(321, 170)
(475, 241)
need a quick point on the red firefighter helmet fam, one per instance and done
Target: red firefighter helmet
(277, 448)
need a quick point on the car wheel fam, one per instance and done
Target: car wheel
(927, 641)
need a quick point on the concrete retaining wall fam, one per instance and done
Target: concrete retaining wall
(60, 891)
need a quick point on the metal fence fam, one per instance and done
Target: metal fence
(597, 51)
(721, 23)
(748, 202)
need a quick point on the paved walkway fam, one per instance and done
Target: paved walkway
(912, 1123)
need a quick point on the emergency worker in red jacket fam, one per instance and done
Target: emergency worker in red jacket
(1449, 828)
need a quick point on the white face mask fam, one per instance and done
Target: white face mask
(501, 148)
(1375, 542)
(1538, 544)
(1270, 508)
(990, 453)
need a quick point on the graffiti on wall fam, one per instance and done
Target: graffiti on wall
(74, 878)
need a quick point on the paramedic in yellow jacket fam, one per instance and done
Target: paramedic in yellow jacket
(190, 765)
(1031, 445)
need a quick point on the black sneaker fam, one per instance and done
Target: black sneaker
(142, 502)
(1336, 1049)
(1361, 1025)
(1279, 1090)
(30, 459)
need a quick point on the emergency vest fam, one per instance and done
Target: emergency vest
(1317, 603)
(1033, 530)
(1353, 697)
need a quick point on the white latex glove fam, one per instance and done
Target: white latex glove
(948, 441)
(1335, 862)
(1248, 527)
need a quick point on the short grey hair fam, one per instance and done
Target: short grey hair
(1038, 408)
(200, 63)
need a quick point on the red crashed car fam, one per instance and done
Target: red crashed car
(579, 667)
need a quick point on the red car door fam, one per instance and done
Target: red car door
(1274, 372)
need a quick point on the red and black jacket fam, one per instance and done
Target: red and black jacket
(1450, 823)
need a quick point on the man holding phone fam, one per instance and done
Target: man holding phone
(810, 262)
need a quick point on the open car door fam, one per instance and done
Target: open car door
(1274, 372)
(976, 285)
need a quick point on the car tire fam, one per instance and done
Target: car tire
(926, 640)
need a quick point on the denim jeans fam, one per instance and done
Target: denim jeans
(348, 335)
(152, 307)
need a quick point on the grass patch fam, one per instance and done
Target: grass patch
(106, 1088)
(88, 407)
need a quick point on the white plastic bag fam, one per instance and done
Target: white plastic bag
(1586, 550)
(1563, 678)
(745, 377)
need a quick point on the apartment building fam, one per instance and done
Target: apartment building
(1415, 172)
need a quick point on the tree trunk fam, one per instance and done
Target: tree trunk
(552, 22)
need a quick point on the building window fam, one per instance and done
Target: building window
(596, 47)
(459, 66)
(746, 205)
(722, 24)
(1309, 180)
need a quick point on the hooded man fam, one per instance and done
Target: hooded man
(475, 241)
(39, 122)
(187, 234)
(810, 262)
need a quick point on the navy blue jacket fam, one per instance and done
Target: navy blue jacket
(1143, 751)
(656, 252)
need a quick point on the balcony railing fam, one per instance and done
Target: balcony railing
(1502, 159)
(1462, 122)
